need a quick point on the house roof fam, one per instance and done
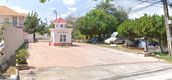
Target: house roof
(59, 20)
(4, 10)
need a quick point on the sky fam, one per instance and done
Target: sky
(78, 8)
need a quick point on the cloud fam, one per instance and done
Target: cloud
(66, 14)
(73, 9)
(70, 2)
(52, 8)
(139, 10)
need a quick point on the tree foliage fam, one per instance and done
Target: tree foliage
(43, 29)
(101, 21)
(97, 22)
(118, 12)
(70, 20)
(149, 27)
(31, 23)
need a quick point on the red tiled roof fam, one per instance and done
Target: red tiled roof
(59, 20)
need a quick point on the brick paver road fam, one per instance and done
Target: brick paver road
(87, 62)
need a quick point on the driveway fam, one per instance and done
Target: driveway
(89, 62)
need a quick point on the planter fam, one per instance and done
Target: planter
(22, 66)
(11, 74)
(15, 77)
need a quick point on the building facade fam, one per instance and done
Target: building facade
(12, 17)
(60, 35)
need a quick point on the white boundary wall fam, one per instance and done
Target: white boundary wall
(13, 40)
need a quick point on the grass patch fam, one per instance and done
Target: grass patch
(121, 48)
(163, 55)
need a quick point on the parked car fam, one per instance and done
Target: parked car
(142, 43)
(93, 40)
(112, 38)
(120, 40)
(115, 39)
(130, 43)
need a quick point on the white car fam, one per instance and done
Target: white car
(112, 38)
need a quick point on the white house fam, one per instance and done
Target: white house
(60, 35)
(13, 35)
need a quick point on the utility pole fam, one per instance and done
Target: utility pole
(168, 28)
(55, 12)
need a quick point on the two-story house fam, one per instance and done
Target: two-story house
(14, 18)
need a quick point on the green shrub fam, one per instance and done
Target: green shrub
(21, 56)
(78, 36)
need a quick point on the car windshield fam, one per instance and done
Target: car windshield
(114, 34)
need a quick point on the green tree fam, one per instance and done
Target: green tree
(43, 29)
(149, 27)
(110, 8)
(127, 28)
(160, 32)
(43, 1)
(70, 20)
(2, 29)
(78, 36)
(32, 23)
(97, 22)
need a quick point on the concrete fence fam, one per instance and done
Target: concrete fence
(13, 38)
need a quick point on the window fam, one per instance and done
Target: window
(61, 25)
(14, 20)
(6, 20)
(62, 38)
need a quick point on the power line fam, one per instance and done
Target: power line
(134, 7)
(148, 1)
(142, 8)
(89, 5)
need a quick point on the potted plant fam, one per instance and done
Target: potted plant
(21, 59)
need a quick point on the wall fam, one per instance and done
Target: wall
(28, 38)
(13, 40)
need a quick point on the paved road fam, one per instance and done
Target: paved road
(88, 62)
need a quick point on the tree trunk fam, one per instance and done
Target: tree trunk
(34, 37)
(86, 36)
(91, 36)
(146, 46)
(99, 37)
(160, 45)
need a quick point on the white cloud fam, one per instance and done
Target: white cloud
(53, 8)
(70, 2)
(66, 14)
(73, 9)
(140, 10)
